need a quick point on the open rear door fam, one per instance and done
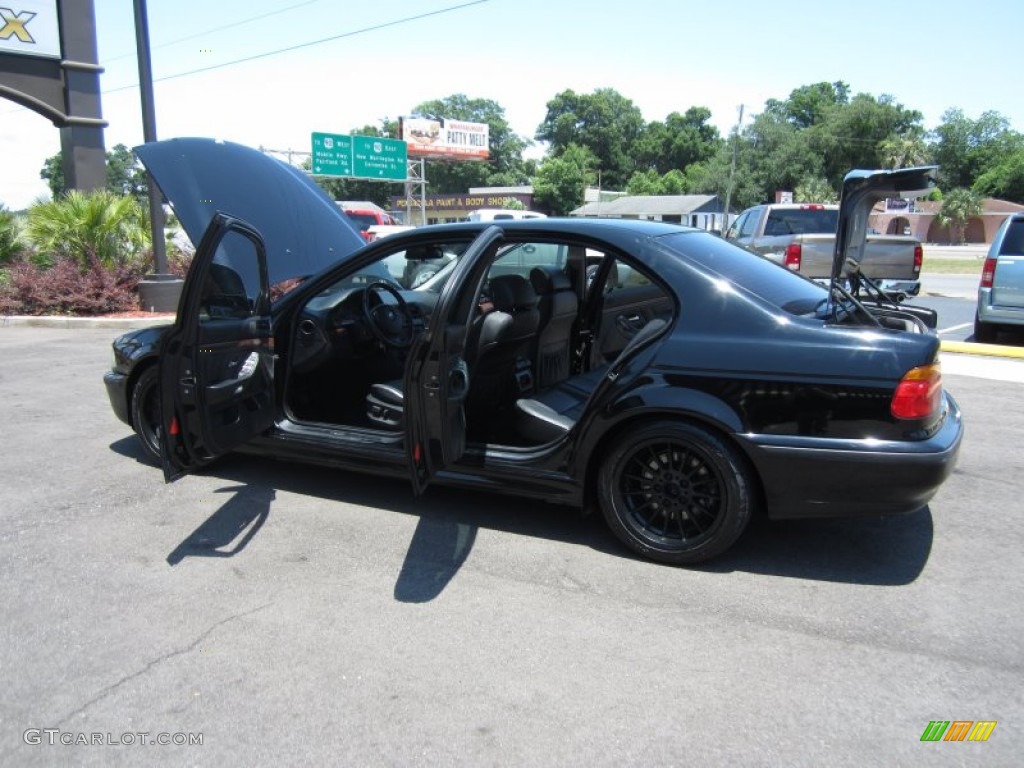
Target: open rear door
(216, 363)
(437, 376)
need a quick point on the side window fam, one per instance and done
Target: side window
(734, 229)
(520, 258)
(749, 224)
(232, 288)
(624, 276)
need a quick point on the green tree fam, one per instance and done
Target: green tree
(605, 122)
(125, 174)
(966, 149)
(561, 180)
(958, 206)
(850, 135)
(1004, 181)
(678, 142)
(814, 190)
(649, 182)
(90, 227)
(904, 151)
(809, 104)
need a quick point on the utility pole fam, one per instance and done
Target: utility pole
(732, 169)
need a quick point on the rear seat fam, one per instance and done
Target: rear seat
(552, 413)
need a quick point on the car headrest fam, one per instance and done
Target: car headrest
(512, 292)
(547, 280)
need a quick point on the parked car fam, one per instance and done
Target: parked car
(503, 214)
(801, 236)
(367, 217)
(685, 385)
(1001, 291)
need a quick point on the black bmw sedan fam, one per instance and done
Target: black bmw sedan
(657, 373)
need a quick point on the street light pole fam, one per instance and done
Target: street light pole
(156, 211)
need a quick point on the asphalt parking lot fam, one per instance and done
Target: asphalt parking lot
(293, 615)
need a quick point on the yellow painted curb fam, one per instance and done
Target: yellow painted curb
(991, 350)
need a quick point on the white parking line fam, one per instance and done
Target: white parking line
(955, 328)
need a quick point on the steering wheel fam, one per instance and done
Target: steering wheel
(391, 324)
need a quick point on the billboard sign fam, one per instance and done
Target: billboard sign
(30, 28)
(445, 139)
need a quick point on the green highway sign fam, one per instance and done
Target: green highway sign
(362, 157)
(379, 158)
(332, 154)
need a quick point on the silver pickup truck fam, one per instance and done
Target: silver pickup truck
(1001, 292)
(802, 238)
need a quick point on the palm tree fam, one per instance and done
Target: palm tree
(90, 227)
(903, 151)
(10, 235)
(958, 206)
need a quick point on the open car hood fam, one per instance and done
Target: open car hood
(303, 229)
(861, 190)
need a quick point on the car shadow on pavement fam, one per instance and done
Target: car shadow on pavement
(888, 551)
(881, 551)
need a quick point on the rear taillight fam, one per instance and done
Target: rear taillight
(919, 393)
(988, 273)
(793, 256)
(918, 259)
(812, 207)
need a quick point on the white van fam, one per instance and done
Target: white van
(503, 214)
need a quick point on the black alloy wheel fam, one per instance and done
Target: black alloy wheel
(146, 413)
(675, 492)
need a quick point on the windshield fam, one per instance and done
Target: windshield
(766, 279)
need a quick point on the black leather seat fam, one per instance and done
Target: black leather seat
(385, 404)
(499, 346)
(497, 343)
(557, 304)
(551, 414)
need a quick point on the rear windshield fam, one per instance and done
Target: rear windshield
(1013, 239)
(801, 221)
(766, 279)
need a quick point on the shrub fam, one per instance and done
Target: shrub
(66, 289)
(88, 226)
(10, 235)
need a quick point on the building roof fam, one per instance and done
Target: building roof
(651, 205)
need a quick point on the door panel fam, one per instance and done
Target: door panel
(629, 301)
(216, 363)
(437, 377)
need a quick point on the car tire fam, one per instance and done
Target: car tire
(984, 333)
(675, 492)
(146, 413)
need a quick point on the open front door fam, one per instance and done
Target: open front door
(216, 363)
(437, 376)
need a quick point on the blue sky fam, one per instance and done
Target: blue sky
(664, 55)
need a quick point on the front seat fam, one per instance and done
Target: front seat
(500, 344)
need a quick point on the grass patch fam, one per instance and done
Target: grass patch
(953, 266)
